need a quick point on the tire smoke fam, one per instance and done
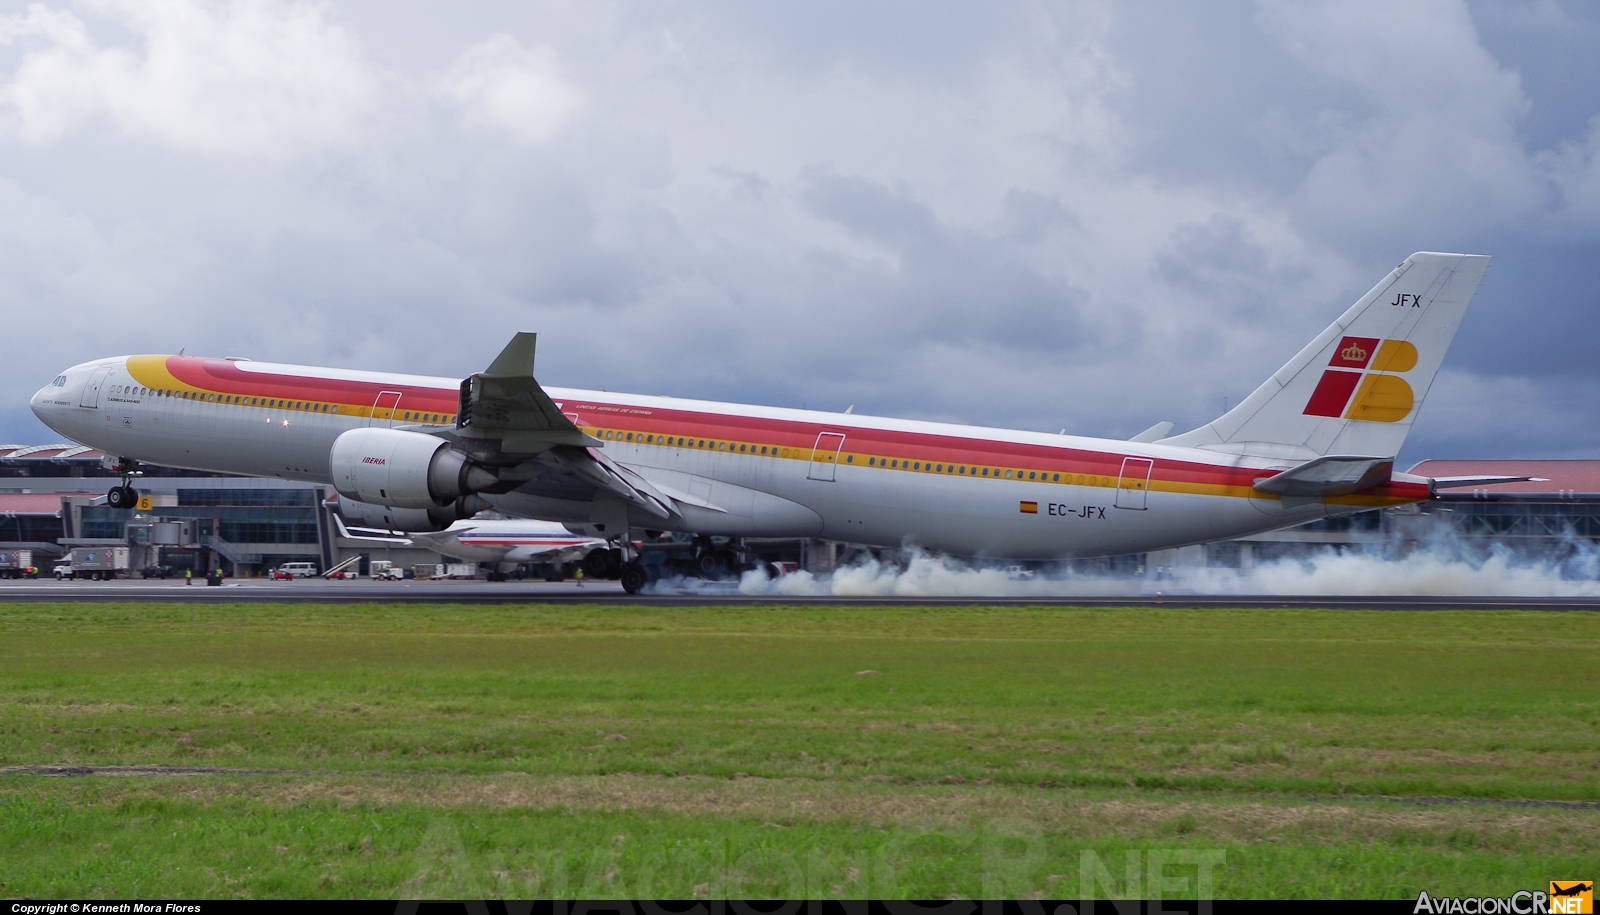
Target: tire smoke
(1441, 565)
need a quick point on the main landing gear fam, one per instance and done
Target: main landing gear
(124, 496)
(702, 559)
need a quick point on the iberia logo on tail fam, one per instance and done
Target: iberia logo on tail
(1374, 390)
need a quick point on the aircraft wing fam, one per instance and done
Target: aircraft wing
(504, 403)
(506, 418)
(369, 534)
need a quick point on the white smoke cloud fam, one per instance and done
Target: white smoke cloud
(1444, 567)
(1085, 215)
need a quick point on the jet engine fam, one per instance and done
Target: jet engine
(404, 469)
(408, 520)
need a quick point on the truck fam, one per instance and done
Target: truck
(384, 570)
(99, 563)
(446, 570)
(15, 563)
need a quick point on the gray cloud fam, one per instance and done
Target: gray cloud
(1086, 215)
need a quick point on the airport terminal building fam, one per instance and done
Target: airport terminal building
(52, 500)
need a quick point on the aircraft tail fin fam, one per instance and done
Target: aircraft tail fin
(1357, 387)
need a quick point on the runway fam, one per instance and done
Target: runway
(593, 592)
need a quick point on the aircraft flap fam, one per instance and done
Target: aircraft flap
(601, 471)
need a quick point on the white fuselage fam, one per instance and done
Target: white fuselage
(509, 541)
(732, 469)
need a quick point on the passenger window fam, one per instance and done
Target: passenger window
(630, 436)
(741, 447)
(1056, 478)
(917, 465)
(849, 459)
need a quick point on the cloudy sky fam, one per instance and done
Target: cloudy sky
(1089, 215)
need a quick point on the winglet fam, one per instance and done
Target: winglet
(516, 360)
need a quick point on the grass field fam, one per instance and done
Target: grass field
(447, 751)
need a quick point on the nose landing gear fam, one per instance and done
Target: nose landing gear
(124, 496)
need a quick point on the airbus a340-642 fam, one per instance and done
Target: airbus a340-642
(1317, 439)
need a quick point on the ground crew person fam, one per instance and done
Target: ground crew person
(188, 576)
(579, 575)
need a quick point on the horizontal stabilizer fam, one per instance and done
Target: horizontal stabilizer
(1457, 482)
(1334, 475)
(1154, 433)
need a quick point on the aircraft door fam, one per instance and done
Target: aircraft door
(1134, 483)
(825, 456)
(384, 407)
(91, 388)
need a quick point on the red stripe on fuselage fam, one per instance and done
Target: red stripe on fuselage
(222, 376)
(904, 446)
(225, 377)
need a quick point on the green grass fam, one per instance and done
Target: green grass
(507, 750)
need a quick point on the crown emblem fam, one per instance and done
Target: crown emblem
(1353, 353)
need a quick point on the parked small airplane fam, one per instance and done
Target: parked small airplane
(1317, 439)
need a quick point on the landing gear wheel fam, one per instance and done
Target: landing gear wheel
(122, 497)
(602, 564)
(634, 577)
(708, 563)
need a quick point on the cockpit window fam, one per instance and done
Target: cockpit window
(60, 382)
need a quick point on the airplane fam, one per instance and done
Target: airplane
(494, 542)
(1317, 439)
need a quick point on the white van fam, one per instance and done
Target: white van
(296, 570)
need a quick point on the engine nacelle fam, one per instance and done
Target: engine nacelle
(403, 469)
(408, 520)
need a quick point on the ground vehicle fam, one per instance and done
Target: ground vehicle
(15, 563)
(95, 563)
(384, 570)
(295, 570)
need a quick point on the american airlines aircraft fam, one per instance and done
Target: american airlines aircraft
(493, 542)
(1317, 439)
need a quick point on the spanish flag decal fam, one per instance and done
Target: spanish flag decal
(1028, 508)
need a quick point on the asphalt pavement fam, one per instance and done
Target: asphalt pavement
(258, 590)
